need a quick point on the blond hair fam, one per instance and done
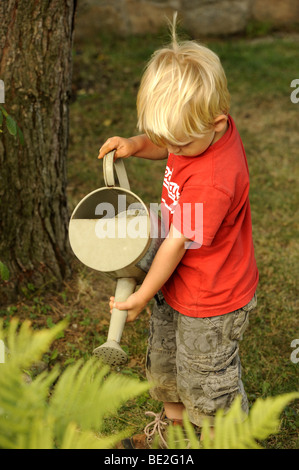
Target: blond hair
(182, 91)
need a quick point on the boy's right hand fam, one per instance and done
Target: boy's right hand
(124, 147)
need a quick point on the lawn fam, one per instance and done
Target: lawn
(106, 76)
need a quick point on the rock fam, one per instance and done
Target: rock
(145, 16)
(276, 12)
(215, 17)
(199, 17)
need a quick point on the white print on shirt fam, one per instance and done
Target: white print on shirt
(183, 213)
(172, 190)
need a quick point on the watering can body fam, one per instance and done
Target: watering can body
(112, 231)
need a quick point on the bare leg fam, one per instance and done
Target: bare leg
(174, 410)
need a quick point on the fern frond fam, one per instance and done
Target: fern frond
(182, 438)
(41, 435)
(228, 428)
(265, 414)
(235, 430)
(43, 382)
(193, 438)
(45, 415)
(26, 345)
(84, 394)
(179, 437)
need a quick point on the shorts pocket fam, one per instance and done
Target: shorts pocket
(222, 382)
(215, 376)
(203, 390)
(240, 323)
(251, 305)
(206, 363)
(241, 319)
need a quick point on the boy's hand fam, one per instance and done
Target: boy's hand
(124, 147)
(134, 304)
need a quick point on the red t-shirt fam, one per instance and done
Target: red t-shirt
(206, 199)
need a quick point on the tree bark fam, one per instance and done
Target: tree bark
(35, 65)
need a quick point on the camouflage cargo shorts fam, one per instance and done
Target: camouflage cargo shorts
(196, 361)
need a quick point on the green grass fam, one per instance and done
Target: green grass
(106, 76)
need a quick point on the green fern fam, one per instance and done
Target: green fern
(235, 430)
(56, 410)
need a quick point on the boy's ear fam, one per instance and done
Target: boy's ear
(220, 123)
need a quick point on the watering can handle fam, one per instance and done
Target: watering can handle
(108, 169)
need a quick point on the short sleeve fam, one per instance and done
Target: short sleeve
(200, 212)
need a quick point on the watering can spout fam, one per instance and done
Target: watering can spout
(110, 352)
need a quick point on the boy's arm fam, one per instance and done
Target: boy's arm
(165, 262)
(138, 146)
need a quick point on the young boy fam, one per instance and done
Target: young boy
(204, 275)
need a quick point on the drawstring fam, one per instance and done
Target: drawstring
(157, 425)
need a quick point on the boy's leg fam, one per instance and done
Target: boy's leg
(208, 363)
(174, 411)
(161, 371)
(161, 352)
(187, 358)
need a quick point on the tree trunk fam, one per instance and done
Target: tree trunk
(35, 65)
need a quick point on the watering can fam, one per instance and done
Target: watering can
(112, 231)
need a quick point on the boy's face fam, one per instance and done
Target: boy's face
(193, 148)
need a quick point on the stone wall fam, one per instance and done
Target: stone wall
(198, 17)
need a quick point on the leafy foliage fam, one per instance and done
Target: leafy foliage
(56, 410)
(11, 125)
(235, 430)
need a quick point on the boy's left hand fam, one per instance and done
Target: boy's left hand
(134, 304)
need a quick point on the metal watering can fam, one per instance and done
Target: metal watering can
(112, 231)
